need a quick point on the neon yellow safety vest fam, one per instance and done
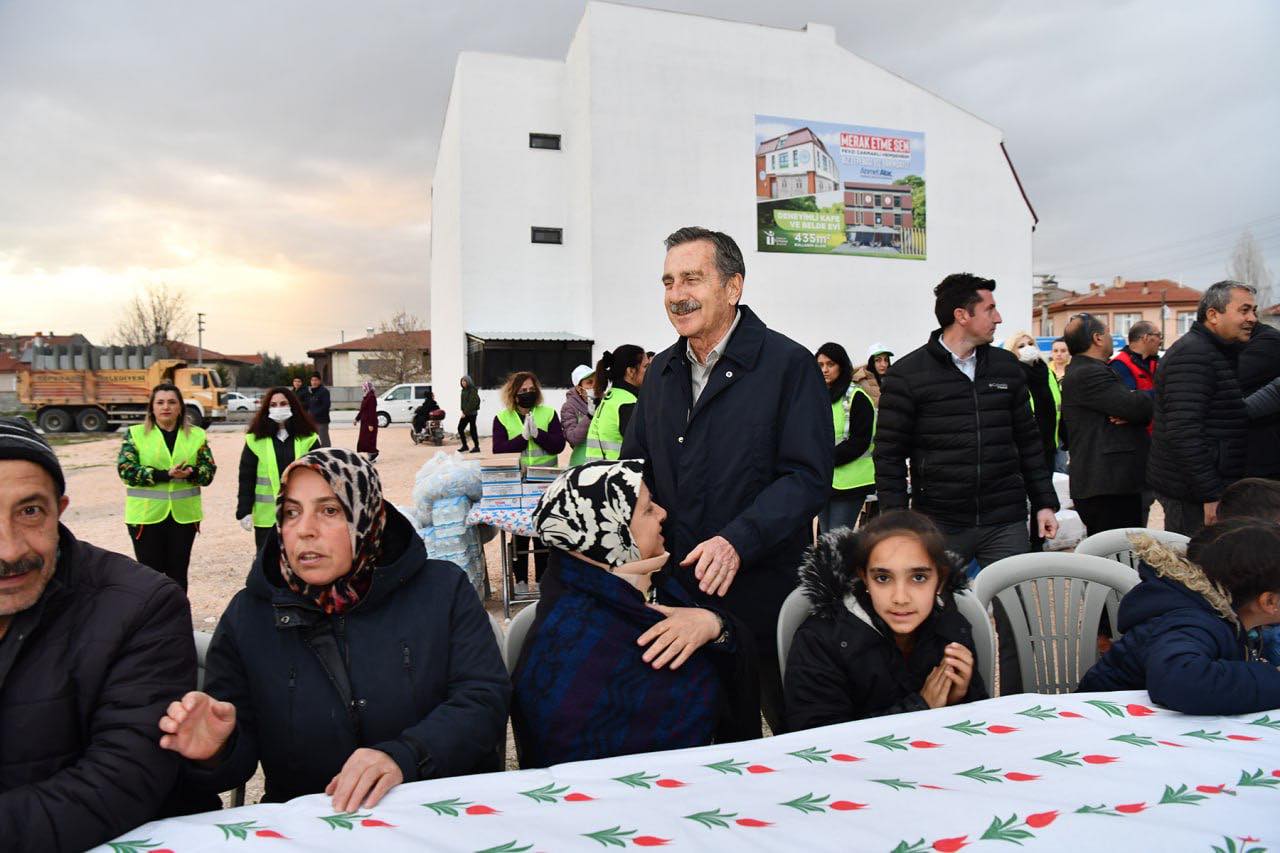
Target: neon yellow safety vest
(180, 498)
(604, 439)
(533, 454)
(1055, 389)
(861, 471)
(267, 485)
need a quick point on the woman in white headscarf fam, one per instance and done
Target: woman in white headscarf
(367, 423)
(619, 659)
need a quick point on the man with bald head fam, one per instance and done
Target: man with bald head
(734, 424)
(93, 648)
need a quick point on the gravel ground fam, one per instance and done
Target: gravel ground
(223, 552)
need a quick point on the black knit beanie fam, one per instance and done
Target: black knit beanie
(19, 440)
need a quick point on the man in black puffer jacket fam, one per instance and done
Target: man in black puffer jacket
(93, 647)
(957, 409)
(1201, 435)
(1259, 365)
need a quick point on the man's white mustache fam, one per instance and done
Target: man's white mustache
(685, 306)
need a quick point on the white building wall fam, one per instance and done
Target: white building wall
(684, 91)
(657, 113)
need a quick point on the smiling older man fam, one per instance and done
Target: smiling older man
(93, 647)
(735, 426)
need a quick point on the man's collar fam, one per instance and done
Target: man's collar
(718, 350)
(743, 346)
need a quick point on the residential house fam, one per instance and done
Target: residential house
(1169, 305)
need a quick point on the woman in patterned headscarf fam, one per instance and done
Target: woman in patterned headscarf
(618, 659)
(350, 662)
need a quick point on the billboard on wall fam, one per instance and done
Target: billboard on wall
(839, 189)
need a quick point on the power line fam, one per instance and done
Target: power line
(1218, 234)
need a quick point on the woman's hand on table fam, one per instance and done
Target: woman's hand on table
(197, 726)
(673, 640)
(363, 781)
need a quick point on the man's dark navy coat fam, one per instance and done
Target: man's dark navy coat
(750, 462)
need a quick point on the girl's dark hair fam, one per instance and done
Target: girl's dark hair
(837, 353)
(299, 422)
(150, 419)
(903, 522)
(613, 366)
(1251, 496)
(1241, 554)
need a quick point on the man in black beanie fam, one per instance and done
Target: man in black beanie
(93, 648)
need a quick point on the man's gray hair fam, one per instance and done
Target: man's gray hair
(1218, 297)
(728, 256)
(1141, 329)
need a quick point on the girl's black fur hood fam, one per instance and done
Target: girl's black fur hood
(831, 585)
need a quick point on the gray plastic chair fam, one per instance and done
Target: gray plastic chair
(517, 632)
(203, 639)
(501, 637)
(984, 635)
(1055, 603)
(1115, 544)
(795, 609)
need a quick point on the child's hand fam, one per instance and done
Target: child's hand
(957, 661)
(936, 687)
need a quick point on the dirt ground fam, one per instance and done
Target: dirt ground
(223, 552)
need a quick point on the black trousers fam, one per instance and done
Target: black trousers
(322, 432)
(260, 535)
(462, 430)
(165, 547)
(1110, 512)
(521, 548)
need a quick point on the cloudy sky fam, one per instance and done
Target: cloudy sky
(272, 159)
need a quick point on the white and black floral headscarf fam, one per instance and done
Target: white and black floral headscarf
(588, 510)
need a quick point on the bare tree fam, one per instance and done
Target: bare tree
(399, 354)
(156, 314)
(1248, 265)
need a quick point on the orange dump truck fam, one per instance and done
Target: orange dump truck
(101, 389)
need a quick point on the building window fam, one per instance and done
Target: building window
(1185, 319)
(897, 201)
(897, 219)
(490, 361)
(1123, 323)
(879, 219)
(773, 162)
(784, 160)
(547, 235)
(547, 141)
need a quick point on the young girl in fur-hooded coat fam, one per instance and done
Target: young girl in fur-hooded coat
(884, 635)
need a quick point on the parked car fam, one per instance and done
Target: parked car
(398, 404)
(237, 402)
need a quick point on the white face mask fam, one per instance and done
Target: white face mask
(280, 414)
(1029, 353)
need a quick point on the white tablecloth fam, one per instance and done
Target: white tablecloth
(516, 521)
(1081, 772)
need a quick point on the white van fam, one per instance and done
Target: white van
(399, 403)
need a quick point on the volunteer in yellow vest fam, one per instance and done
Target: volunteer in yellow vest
(279, 433)
(164, 462)
(528, 427)
(1046, 400)
(623, 370)
(855, 425)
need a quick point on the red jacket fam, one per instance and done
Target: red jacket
(1141, 373)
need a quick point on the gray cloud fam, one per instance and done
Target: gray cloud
(302, 135)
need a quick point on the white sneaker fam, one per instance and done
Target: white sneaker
(522, 589)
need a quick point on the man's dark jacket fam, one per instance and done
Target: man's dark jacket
(751, 462)
(85, 676)
(318, 404)
(412, 670)
(1259, 364)
(1106, 458)
(1202, 432)
(974, 447)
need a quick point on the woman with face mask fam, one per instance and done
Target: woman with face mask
(1046, 398)
(350, 663)
(532, 429)
(279, 433)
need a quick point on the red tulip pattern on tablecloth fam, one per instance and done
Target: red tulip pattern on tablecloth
(716, 819)
(618, 837)
(241, 830)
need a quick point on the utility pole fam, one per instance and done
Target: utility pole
(199, 339)
(1164, 308)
